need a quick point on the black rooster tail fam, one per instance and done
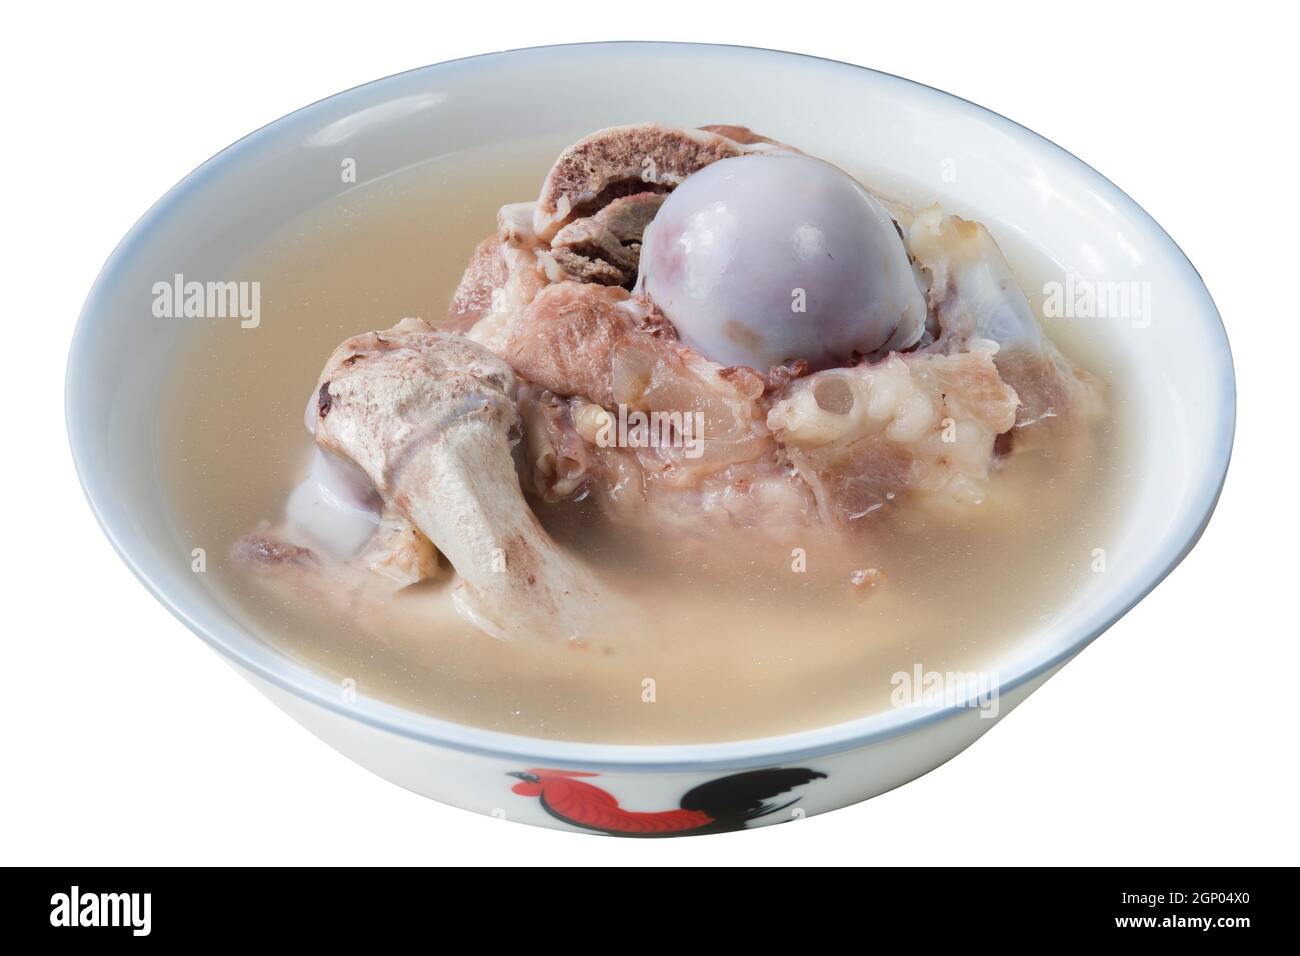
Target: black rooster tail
(768, 809)
(736, 800)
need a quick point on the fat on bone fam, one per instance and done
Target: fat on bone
(565, 457)
(971, 286)
(594, 342)
(632, 158)
(429, 417)
(924, 423)
(591, 353)
(486, 272)
(507, 271)
(974, 295)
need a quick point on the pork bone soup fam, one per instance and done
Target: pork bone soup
(710, 441)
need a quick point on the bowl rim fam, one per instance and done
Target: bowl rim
(298, 680)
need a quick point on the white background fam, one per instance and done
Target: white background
(123, 739)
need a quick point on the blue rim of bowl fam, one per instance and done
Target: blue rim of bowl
(659, 758)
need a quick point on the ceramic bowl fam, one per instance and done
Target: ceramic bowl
(1181, 400)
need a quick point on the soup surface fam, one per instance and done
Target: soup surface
(751, 636)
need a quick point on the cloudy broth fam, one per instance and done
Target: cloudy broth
(750, 638)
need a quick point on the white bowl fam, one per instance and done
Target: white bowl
(1182, 397)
